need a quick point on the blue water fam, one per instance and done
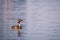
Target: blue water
(41, 20)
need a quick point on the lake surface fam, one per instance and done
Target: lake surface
(41, 19)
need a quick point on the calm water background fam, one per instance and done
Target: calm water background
(41, 19)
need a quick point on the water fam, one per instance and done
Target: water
(9, 18)
(41, 20)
